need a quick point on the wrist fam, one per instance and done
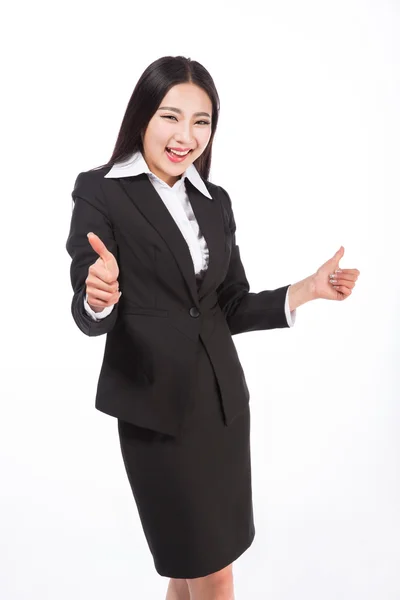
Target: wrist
(96, 309)
(301, 292)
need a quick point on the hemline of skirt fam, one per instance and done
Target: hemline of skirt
(206, 571)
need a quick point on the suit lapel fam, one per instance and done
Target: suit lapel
(209, 217)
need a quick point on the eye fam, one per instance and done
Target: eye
(172, 117)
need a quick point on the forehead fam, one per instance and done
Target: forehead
(188, 97)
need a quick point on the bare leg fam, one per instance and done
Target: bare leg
(216, 586)
(178, 590)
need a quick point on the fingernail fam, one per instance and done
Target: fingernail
(338, 271)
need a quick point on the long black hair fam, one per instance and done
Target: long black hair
(152, 86)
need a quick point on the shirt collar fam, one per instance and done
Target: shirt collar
(136, 165)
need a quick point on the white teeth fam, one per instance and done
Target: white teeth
(178, 153)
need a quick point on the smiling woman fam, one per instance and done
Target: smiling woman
(171, 374)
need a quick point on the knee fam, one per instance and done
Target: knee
(219, 584)
(221, 578)
(178, 590)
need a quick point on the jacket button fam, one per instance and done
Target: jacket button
(194, 312)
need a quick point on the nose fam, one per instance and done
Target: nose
(184, 135)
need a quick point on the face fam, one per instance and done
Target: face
(182, 122)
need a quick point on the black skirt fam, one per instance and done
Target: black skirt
(193, 492)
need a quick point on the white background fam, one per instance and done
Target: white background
(308, 149)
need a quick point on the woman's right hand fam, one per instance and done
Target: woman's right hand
(102, 280)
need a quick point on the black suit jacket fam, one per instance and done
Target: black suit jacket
(153, 330)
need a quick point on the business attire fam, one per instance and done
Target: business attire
(171, 374)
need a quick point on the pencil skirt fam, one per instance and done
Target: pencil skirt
(193, 492)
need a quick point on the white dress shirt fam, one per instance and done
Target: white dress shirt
(176, 200)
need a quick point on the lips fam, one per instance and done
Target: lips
(175, 158)
(178, 149)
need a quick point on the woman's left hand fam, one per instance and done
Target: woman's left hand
(332, 283)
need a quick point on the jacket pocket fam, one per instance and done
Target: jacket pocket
(141, 310)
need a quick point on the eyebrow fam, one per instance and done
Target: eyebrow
(178, 110)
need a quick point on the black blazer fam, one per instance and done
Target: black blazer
(153, 330)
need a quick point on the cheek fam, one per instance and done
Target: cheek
(157, 135)
(203, 138)
(162, 134)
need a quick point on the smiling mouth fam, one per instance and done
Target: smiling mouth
(175, 158)
(177, 153)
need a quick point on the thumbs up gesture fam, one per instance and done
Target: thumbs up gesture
(102, 286)
(330, 282)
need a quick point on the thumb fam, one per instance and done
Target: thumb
(99, 247)
(339, 253)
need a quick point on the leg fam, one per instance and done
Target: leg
(178, 590)
(216, 586)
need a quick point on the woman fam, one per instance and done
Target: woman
(155, 266)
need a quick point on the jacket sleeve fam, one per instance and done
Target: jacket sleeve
(89, 213)
(244, 310)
